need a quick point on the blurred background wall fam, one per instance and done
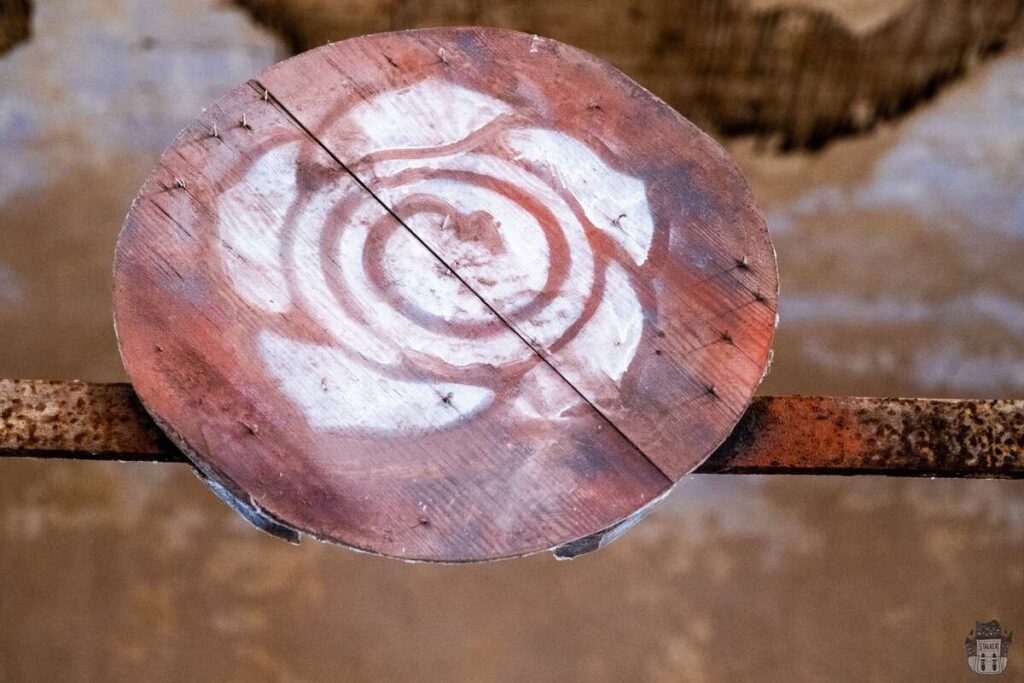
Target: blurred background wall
(885, 141)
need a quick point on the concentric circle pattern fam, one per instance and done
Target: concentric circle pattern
(502, 232)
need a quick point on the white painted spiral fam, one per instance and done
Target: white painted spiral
(514, 209)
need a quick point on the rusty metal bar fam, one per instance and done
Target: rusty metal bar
(778, 434)
(80, 420)
(905, 437)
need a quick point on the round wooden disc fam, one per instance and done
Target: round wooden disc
(450, 294)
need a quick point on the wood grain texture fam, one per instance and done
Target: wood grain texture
(453, 294)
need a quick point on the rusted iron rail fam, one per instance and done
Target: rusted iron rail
(778, 434)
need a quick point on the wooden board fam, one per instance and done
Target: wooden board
(451, 294)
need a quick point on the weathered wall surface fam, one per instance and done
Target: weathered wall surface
(899, 256)
(803, 72)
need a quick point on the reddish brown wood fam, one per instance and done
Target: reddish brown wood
(452, 294)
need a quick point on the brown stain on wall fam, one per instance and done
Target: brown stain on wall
(795, 73)
(62, 255)
(15, 22)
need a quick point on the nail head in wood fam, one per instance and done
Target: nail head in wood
(509, 303)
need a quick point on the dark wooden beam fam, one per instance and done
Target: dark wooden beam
(778, 435)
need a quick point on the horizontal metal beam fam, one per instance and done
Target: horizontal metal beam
(79, 420)
(904, 437)
(777, 435)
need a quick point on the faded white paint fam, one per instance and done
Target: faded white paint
(428, 114)
(335, 392)
(606, 347)
(614, 202)
(251, 215)
(373, 378)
